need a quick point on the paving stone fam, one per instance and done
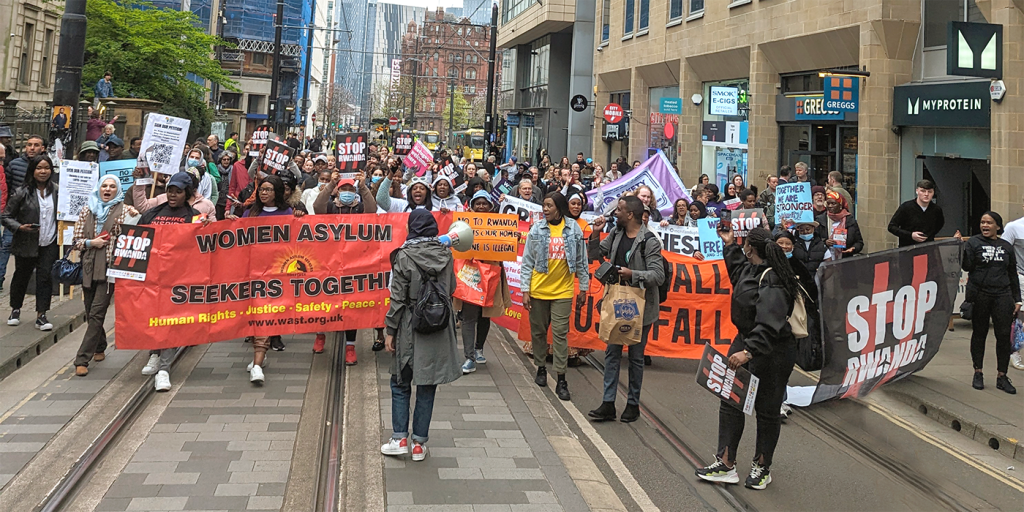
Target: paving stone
(177, 503)
(460, 474)
(486, 462)
(265, 503)
(399, 498)
(258, 477)
(237, 489)
(170, 478)
(512, 474)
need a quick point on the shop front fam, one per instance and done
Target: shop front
(945, 137)
(663, 121)
(724, 128)
(823, 139)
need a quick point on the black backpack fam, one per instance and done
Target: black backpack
(666, 283)
(433, 311)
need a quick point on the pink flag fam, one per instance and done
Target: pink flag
(419, 158)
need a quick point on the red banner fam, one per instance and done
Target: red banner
(697, 312)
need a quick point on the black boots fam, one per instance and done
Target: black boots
(630, 414)
(604, 413)
(562, 389)
(542, 376)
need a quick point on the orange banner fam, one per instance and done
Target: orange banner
(697, 312)
(495, 236)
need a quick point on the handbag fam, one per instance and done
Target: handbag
(966, 310)
(67, 272)
(476, 281)
(622, 315)
(798, 318)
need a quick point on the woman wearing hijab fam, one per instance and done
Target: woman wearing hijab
(207, 186)
(842, 233)
(31, 214)
(224, 167)
(476, 323)
(423, 360)
(98, 223)
(714, 203)
(729, 198)
(444, 198)
(697, 211)
(554, 252)
(764, 288)
(994, 290)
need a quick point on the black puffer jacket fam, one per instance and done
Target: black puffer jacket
(23, 208)
(811, 256)
(760, 307)
(16, 172)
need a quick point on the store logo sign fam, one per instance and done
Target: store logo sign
(965, 104)
(914, 108)
(974, 49)
(813, 107)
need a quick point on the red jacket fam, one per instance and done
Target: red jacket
(3, 189)
(239, 180)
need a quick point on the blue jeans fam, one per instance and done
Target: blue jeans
(5, 253)
(612, 360)
(401, 393)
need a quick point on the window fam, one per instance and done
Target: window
(259, 59)
(453, 73)
(230, 100)
(27, 41)
(675, 9)
(255, 104)
(512, 8)
(465, 89)
(606, 11)
(628, 21)
(645, 15)
(696, 6)
(938, 14)
(435, 71)
(433, 104)
(458, 57)
(435, 56)
(44, 74)
(451, 57)
(433, 88)
(471, 74)
(540, 55)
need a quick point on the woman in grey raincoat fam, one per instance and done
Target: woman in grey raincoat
(424, 360)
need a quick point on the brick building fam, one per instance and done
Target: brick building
(744, 96)
(442, 52)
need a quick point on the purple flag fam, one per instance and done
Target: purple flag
(657, 173)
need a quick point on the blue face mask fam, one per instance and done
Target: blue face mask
(807, 237)
(347, 197)
(789, 255)
(192, 162)
(375, 179)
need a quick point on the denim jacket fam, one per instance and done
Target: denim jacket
(538, 244)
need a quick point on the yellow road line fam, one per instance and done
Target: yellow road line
(938, 443)
(16, 407)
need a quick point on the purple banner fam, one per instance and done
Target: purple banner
(657, 173)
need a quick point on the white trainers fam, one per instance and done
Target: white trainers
(256, 375)
(419, 452)
(785, 411)
(162, 381)
(395, 447)
(1017, 361)
(264, 365)
(152, 365)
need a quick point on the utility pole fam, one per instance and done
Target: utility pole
(309, 60)
(415, 74)
(67, 86)
(489, 109)
(451, 111)
(218, 30)
(274, 103)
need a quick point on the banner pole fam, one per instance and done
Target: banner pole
(60, 250)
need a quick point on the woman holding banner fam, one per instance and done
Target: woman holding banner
(418, 195)
(476, 318)
(554, 251)
(764, 287)
(98, 223)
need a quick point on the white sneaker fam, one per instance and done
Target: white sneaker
(419, 452)
(264, 365)
(395, 447)
(152, 365)
(785, 411)
(256, 375)
(162, 381)
(1017, 361)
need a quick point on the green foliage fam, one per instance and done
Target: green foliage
(461, 115)
(150, 53)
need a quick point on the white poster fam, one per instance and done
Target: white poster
(683, 240)
(724, 101)
(76, 181)
(163, 143)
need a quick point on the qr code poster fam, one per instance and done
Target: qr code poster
(163, 142)
(76, 181)
(276, 157)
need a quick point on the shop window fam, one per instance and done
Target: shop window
(644, 21)
(724, 130)
(628, 18)
(663, 129)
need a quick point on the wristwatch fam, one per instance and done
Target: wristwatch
(749, 355)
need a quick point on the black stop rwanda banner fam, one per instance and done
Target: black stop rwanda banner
(403, 143)
(352, 152)
(276, 157)
(884, 315)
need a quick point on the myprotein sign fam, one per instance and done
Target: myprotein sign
(961, 104)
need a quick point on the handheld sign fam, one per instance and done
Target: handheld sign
(793, 204)
(745, 220)
(683, 240)
(710, 243)
(76, 181)
(163, 142)
(495, 236)
(123, 169)
(353, 151)
(276, 157)
(261, 135)
(737, 388)
(131, 253)
(403, 143)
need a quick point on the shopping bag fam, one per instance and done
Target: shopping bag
(476, 282)
(622, 315)
(1017, 335)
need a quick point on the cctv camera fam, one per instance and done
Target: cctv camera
(599, 48)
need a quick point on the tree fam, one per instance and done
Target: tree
(460, 118)
(154, 54)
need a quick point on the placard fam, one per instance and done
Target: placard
(76, 181)
(683, 240)
(276, 157)
(131, 252)
(737, 388)
(793, 204)
(403, 143)
(353, 151)
(745, 220)
(123, 169)
(495, 236)
(163, 143)
(710, 243)
(261, 135)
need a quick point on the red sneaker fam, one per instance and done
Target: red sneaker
(318, 345)
(350, 355)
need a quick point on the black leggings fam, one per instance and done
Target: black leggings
(773, 370)
(474, 329)
(998, 308)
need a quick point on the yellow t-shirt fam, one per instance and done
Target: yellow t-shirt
(557, 283)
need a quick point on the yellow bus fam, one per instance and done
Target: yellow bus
(431, 139)
(470, 144)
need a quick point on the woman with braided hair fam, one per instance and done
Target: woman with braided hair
(764, 287)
